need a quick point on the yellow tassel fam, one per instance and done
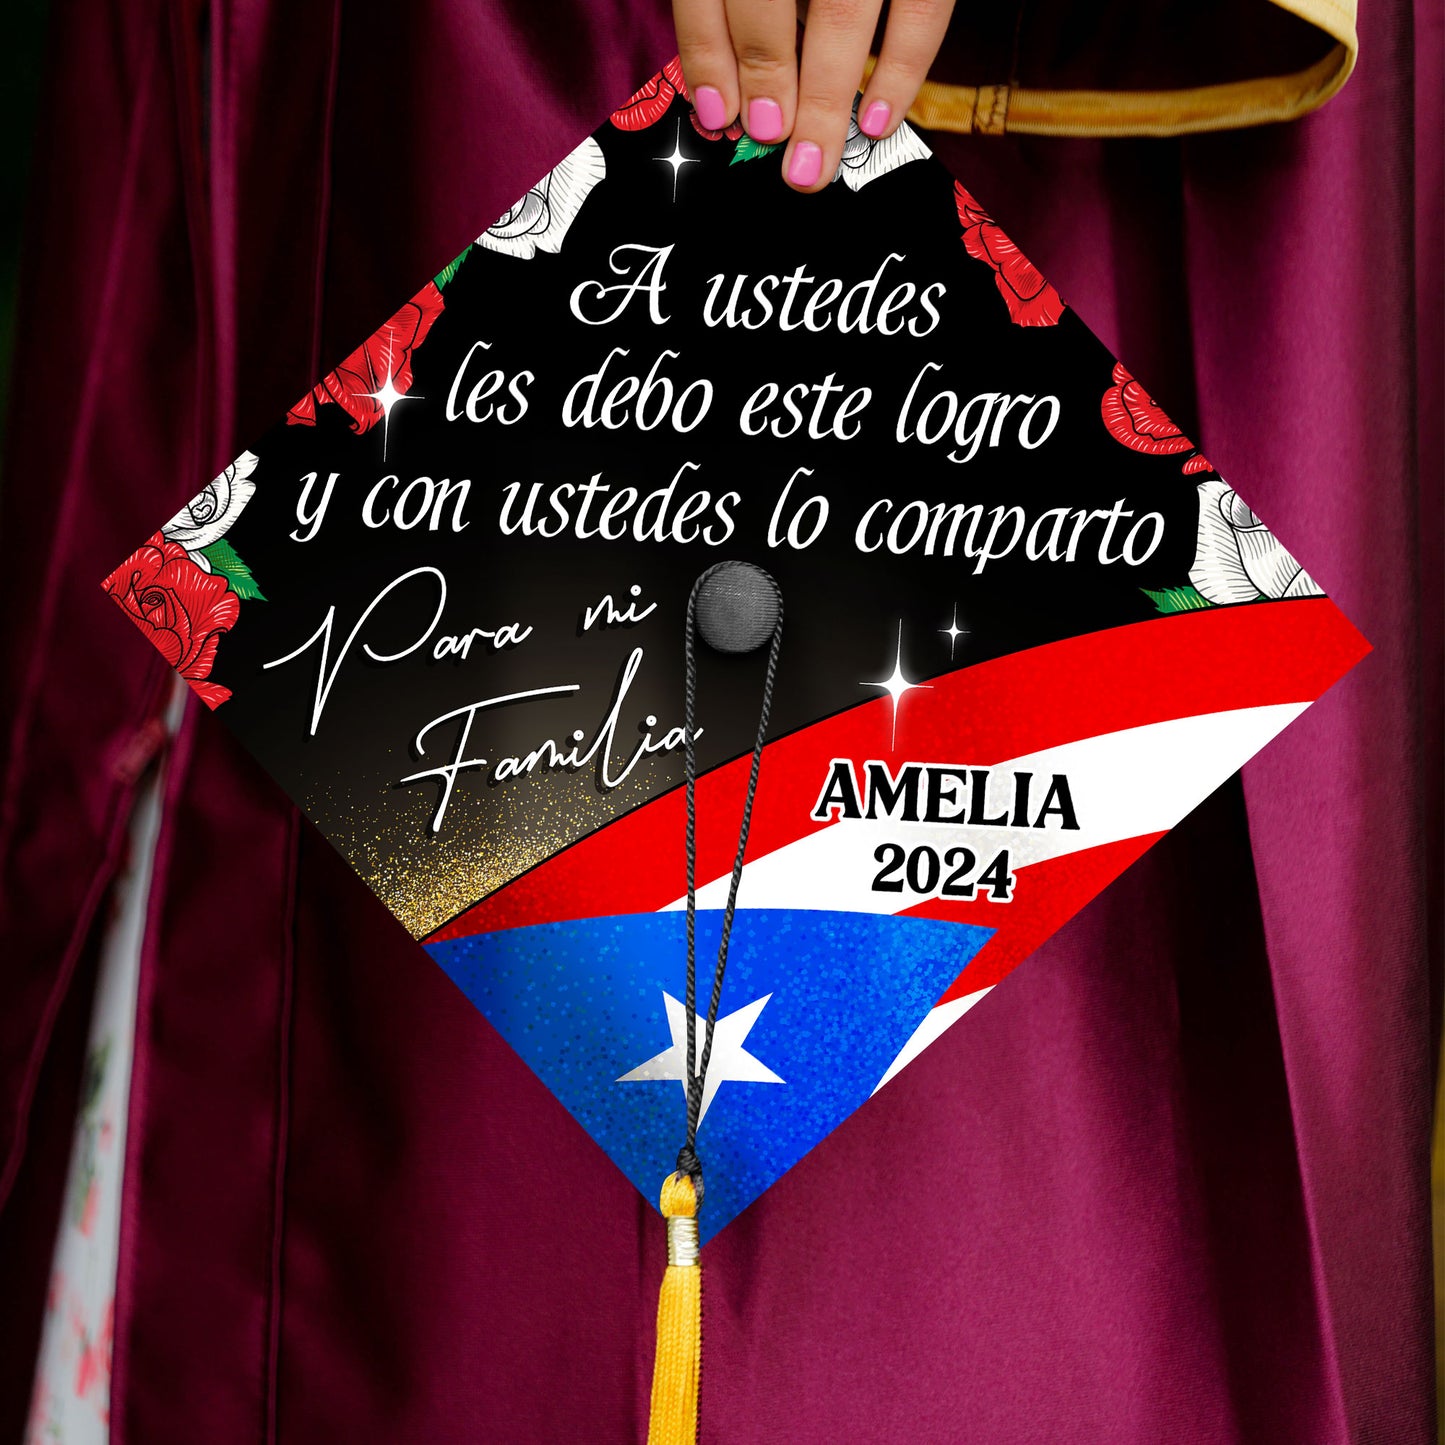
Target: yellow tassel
(678, 1366)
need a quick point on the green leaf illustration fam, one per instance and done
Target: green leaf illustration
(1177, 599)
(750, 150)
(225, 563)
(450, 269)
(93, 1077)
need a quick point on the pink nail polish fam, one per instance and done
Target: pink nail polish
(806, 165)
(712, 111)
(765, 120)
(874, 120)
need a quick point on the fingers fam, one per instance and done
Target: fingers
(706, 50)
(835, 48)
(740, 60)
(765, 42)
(915, 31)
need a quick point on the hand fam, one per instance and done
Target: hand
(740, 59)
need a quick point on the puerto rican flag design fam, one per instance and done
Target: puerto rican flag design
(837, 978)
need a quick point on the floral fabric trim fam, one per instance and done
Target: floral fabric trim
(70, 1399)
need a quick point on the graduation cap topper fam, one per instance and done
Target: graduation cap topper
(1028, 625)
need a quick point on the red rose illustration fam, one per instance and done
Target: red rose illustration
(181, 608)
(649, 105)
(1136, 419)
(93, 1365)
(387, 353)
(1031, 300)
(732, 132)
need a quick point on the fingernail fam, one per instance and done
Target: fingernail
(806, 165)
(874, 120)
(765, 120)
(711, 109)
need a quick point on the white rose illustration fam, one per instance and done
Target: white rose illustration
(540, 220)
(865, 159)
(1236, 558)
(210, 513)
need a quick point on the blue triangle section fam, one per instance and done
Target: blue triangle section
(583, 1003)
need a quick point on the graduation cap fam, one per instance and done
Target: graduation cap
(1010, 624)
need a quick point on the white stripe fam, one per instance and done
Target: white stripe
(1124, 784)
(935, 1023)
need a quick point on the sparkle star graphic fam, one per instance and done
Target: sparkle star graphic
(386, 396)
(730, 1061)
(897, 684)
(954, 632)
(677, 160)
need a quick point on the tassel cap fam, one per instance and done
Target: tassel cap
(682, 1246)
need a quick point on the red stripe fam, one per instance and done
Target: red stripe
(1171, 667)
